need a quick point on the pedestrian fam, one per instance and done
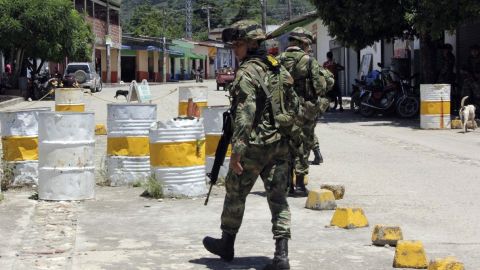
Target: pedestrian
(446, 74)
(334, 68)
(8, 70)
(258, 147)
(310, 85)
(471, 76)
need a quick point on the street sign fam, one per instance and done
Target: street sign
(140, 92)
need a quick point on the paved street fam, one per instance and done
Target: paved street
(424, 181)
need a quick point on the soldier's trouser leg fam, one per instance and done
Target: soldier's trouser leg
(301, 162)
(237, 187)
(275, 180)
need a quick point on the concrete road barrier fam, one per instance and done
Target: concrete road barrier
(178, 156)
(19, 131)
(69, 100)
(410, 254)
(128, 149)
(66, 156)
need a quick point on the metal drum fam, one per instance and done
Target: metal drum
(19, 130)
(435, 106)
(195, 95)
(128, 151)
(69, 100)
(67, 156)
(178, 156)
(213, 120)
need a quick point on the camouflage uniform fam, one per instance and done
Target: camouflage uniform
(300, 72)
(262, 149)
(263, 153)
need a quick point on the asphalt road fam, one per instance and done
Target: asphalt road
(422, 180)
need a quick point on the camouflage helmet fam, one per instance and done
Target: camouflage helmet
(244, 29)
(302, 35)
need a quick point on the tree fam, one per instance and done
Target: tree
(43, 29)
(361, 23)
(148, 20)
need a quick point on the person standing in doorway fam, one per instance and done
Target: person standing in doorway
(334, 68)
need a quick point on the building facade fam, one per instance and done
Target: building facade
(104, 17)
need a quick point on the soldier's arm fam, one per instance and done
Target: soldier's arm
(244, 90)
(318, 80)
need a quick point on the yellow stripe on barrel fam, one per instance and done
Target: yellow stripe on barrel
(19, 148)
(178, 154)
(128, 146)
(183, 107)
(212, 143)
(435, 107)
(70, 108)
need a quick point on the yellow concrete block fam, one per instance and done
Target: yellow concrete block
(448, 263)
(100, 129)
(456, 124)
(349, 218)
(386, 235)
(410, 254)
(320, 199)
(338, 190)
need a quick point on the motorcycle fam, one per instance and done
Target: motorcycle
(372, 79)
(391, 96)
(198, 76)
(42, 85)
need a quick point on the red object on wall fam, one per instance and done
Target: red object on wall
(142, 75)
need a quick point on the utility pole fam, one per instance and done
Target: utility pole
(188, 21)
(264, 14)
(108, 44)
(208, 17)
(289, 3)
(164, 48)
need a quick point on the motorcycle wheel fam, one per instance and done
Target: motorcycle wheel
(407, 107)
(365, 111)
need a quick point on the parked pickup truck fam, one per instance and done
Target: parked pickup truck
(225, 76)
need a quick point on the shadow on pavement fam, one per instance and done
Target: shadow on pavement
(257, 263)
(377, 120)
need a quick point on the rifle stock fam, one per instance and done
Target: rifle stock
(221, 151)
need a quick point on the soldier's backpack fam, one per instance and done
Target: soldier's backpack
(284, 102)
(313, 105)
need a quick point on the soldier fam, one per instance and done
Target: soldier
(310, 85)
(258, 147)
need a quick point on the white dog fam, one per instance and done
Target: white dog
(467, 113)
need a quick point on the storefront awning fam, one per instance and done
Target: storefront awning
(196, 56)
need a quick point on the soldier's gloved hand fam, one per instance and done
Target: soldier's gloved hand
(235, 164)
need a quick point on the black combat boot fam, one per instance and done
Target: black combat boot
(280, 258)
(221, 247)
(301, 190)
(318, 157)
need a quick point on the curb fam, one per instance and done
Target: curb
(11, 102)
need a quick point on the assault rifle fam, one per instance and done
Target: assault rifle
(221, 151)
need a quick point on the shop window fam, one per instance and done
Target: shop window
(101, 12)
(90, 8)
(114, 18)
(79, 6)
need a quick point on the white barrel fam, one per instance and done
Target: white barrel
(213, 119)
(178, 156)
(69, 100)
(19, 131)
(67, 156)
(435, 106)
(198, 95)
(128, 150)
